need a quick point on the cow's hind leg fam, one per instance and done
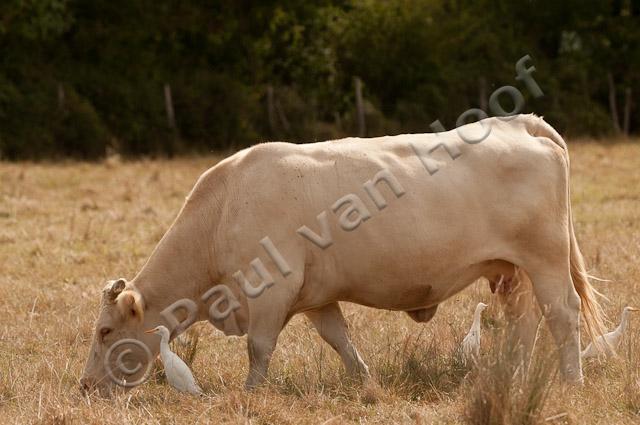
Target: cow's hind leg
(521, 312)
(332, 327)
(560, 305)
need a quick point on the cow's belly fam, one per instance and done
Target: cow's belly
(404, 294)
(402, 283)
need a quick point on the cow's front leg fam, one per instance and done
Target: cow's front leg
(261, 341)
(332, 327)
(260, 351)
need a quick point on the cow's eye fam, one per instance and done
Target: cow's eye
(104, 332)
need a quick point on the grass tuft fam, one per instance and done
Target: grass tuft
(503, 390)
(422, 370)
(631, 376)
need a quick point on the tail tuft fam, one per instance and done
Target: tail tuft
(592, 312)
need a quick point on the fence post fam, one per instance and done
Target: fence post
(338, 120)
(362, 125)
(61, 97)
(612, 103)
(482, 93)
(168, 103)
(283, 118)
(271, 112)
(627, 111)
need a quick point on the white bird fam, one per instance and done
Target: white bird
(471, 342)
(608, 342)
(178, 373)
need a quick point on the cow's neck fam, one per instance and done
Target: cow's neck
(181, 265)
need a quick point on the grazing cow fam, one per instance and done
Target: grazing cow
(398, 223)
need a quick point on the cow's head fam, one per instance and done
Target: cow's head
(121, 352)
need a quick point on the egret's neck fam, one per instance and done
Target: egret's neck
(164, 338)
(476, 319)
(164, 346)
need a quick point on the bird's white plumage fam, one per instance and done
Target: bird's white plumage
(177, 372)
(471, 342)
(609, 342)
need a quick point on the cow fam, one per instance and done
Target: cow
(397, 222)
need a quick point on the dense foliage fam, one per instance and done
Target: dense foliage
(79, 78)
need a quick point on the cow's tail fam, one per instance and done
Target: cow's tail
(592, 312)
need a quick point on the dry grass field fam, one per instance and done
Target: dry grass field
(67, 228)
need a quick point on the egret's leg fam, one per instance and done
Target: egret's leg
(332, 327)
(560, 305)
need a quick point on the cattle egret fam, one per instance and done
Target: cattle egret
(609, 341)
(178, 374)
(471, 342)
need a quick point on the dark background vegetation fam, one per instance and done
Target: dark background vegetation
(82, 78)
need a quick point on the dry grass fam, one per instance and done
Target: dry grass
(66, 228)
(503, 390)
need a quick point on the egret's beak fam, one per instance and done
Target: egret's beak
(150, 331)
(633, 309)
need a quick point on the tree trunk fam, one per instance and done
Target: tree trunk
(613, 103)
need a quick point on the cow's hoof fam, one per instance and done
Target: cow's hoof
(371, 392)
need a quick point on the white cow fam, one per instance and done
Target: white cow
(397, 222)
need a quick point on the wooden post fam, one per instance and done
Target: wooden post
(314, 117)
(627, 111)
(612, 103)
(168, 103)
(271, 110)
(482, 93)
(61, 97)
(362, 125)
(283, 118)
(338, 120)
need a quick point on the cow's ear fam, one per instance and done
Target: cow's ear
(113, 289)
(131, 305)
